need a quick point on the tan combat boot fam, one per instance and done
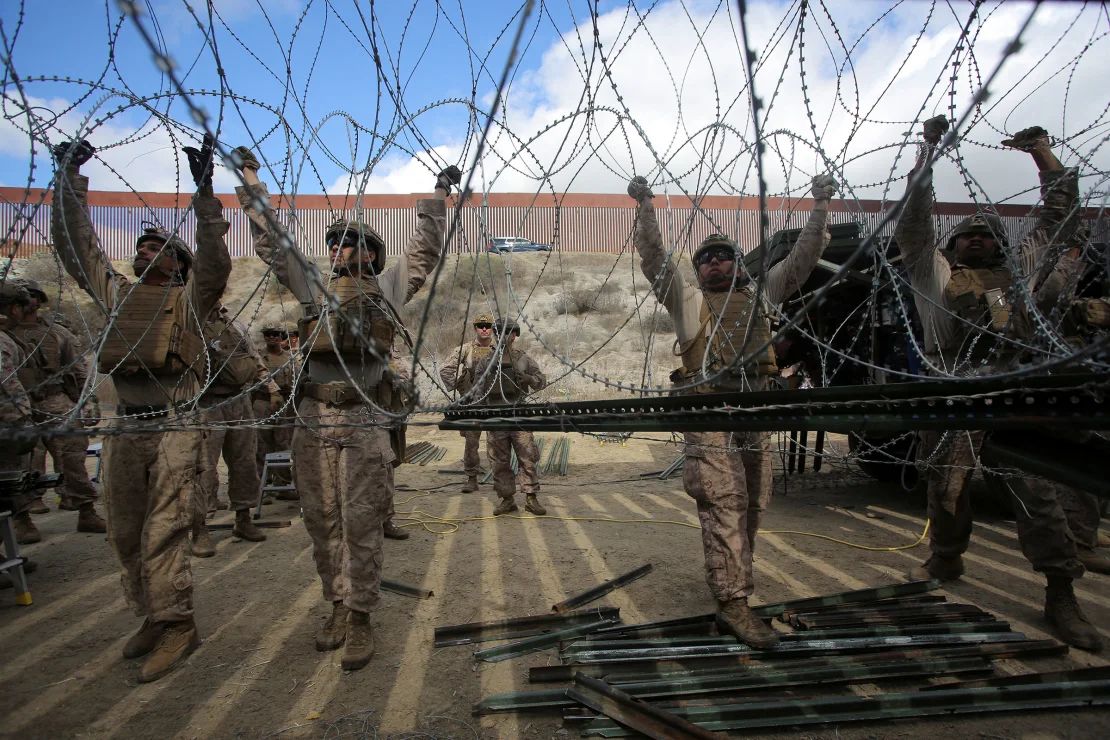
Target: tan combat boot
(89, 521)
(38, 507)
(1093, 560)
(176, 643)
(334, 632)
(471, 484)
(737, 618)
(506, 506)
(26, 533)
(393, 532)
(941, 567)
(244, 528)
(1069, 622)
(532, 504)
(202, 543)
(360, 642)
(143, 641)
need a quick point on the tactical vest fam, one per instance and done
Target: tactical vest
(978, 297)
(43, 348)
(473, 356)
(730, 348)
(151, 333)
(230, 354)
(363, 312)
(281, 369)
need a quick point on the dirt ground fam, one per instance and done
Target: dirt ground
(257, 673)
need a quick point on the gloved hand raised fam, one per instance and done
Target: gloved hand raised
(1028, 139)
(78, 152)
(200, 162)
(243, 159)
(447, 177)
(933, 129)
(824, 187)
(638, 189)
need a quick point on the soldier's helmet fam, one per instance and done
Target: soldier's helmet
(272, 331)
(483, 318)
(153, 232)
(980, 223)
(350, 232)
(505, 326)
(33, 288)
(12, 292)
(714, 241)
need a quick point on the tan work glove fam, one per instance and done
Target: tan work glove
(824, 187)
(934, 129)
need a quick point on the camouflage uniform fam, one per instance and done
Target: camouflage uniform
(229, 418)
(275, 432)
(727, 474)
(943, 292)
(15, 403)
(344, 459)
(54, 377)
(148, 476)
(459, 375)
(499, 380)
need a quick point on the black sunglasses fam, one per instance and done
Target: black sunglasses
(483, 326)
(721, 254)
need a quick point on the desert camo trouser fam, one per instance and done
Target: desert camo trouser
(472, 461)
(68, 453)
(232, 436)
(1044, 528)
(344, 474)
(729, 476)
(149, 480)
(498, 448)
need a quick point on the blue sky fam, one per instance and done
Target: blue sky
(671, 104)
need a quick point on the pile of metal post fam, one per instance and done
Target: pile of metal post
(681, 678)
(557, 458)
(423, 453)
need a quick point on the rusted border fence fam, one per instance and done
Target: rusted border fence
(572, 222)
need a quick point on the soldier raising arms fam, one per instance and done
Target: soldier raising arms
(156, 356)
(344, 460)
(724, 339)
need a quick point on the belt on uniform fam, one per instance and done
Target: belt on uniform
(335, 393)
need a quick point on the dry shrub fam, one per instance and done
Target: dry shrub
(604, 299)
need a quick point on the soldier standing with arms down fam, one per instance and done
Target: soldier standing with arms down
(344, 460)
(459, 375)
(275, 432)
(229, 429)
(965, 311)
(154, 350)
(724, 338)
(15, 403)
(54, 376)
(505, 377)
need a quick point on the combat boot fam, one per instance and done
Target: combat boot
(66, 504)
(360, 642)
(202, 543)
(1103, 539)
(26, 533)
(334, 632)
(506, 506)
(38, 507)
(143, 641)
(393, 532)
(940, 567)
(244, 528)
(735, 617)
(176, 643)
(1093, 560)
(532, 504)
(89, 521)
(471, 484)
(1068, 621)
